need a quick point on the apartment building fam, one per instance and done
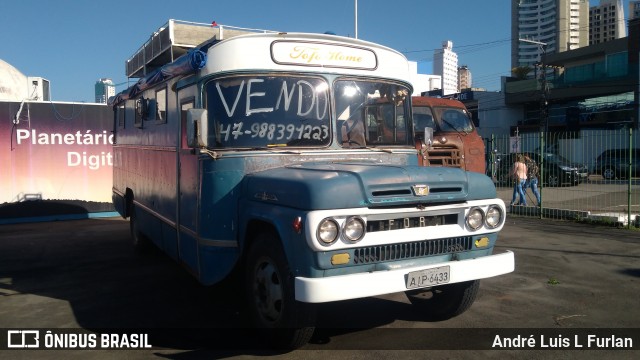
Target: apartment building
(552, 26)
(606, 22)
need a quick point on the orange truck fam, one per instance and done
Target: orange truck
(455, 141)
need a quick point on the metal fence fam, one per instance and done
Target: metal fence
(591, 175)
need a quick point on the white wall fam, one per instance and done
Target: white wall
(422, 82)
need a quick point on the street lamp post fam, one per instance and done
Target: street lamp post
(356, 18)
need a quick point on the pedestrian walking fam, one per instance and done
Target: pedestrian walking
(532, 177)
(519, 175)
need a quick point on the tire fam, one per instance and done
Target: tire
(288, 324)
(445, 301)
(553, 180)
(609, 173)
(503, 178)
(141, 244)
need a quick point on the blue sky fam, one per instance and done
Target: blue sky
(73, 43)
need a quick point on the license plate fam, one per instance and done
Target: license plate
(428, 277)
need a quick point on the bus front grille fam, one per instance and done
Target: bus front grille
(374, 254)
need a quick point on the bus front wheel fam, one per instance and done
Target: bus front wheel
(288, 323)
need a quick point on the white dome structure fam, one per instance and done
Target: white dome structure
(13, 84)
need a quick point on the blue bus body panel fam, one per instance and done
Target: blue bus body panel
(188, 248)
(219, 198)
(216, 263)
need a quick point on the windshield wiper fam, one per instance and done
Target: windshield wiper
(276, 148)
(273, 149)
(454, 127)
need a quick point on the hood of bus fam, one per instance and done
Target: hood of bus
(336, 185)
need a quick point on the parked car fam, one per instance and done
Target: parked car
(556, 171)
(614, 164)
(582, 170)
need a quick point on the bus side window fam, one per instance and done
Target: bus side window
(189, 104)
(121, 118)
(138, 108)
(161, 106)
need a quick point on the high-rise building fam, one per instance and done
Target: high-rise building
(464, 78)
(105, 88)
(445, 64)
(606, 22)
(634, 9)
(556, 25)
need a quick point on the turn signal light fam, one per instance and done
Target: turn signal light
(340, 259)
(297, 225)
(482, 242)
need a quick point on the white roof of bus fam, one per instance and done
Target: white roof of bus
(266, 51)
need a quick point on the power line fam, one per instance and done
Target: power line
(460, 46)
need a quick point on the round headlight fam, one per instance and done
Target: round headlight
(494, 216)
(475, 218)
(353, 229)
(328, 231)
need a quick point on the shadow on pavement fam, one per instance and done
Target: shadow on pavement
(110, 289)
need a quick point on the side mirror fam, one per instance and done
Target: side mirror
(197, 131)
(428, 136)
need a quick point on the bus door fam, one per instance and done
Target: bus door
(187, 187)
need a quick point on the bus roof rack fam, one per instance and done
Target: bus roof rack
(174, 39)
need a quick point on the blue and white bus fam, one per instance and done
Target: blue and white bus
(290, 158)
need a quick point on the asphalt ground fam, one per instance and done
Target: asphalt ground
(82, 277)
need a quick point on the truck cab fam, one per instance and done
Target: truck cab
(455, 142)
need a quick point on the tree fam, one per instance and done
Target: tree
(521, 72)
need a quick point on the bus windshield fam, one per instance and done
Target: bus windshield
(257, 111)
(371, 113)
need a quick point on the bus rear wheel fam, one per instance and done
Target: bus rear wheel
(288, 324)
(445, 301)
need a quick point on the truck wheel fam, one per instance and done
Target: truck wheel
(445, 301)
(289, 324)
(141, 243)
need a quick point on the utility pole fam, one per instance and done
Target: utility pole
(544, 112)
(544, 86)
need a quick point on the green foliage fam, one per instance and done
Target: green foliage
(521, 72)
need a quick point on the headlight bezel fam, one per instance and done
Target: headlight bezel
(320, 230)
(481, 221)
(346, 229)
(500, 216)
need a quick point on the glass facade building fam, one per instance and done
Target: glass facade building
(104, 89)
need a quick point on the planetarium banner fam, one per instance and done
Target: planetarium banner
(55, 151)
